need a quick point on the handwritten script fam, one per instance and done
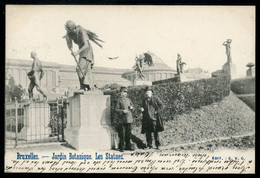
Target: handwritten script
(138, 162)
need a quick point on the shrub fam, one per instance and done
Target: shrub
(249, 100)
(13, 91)
(177, 97)
(243, 86)
(169, 80)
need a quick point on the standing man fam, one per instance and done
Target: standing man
(35, 75)
(228, 50)
(152, 121)
(81, 37)
(124, 107)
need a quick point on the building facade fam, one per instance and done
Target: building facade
(59, 78)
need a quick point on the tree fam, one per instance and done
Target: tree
(111, 86)
(12, 90)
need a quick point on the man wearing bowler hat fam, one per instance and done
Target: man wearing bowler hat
(152, 122)
(124, 107)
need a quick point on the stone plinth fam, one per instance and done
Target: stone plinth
(88, 122)
(229, 68)
(250, 72)
(36, 122)
(182, 78)
(142, 82)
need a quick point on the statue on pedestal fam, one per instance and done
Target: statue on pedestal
(140, 61)
(228, 50)
(85, 63)
(249, 71)
(179, 64)
(35, 76)
(138, 68)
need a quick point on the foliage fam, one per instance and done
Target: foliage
(12, 90)
(177, 97)
(111, 86)
(243, 85)
(249, 100)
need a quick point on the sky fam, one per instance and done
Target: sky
(195, 32)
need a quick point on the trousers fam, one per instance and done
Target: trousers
(124, 135)
(149, 140)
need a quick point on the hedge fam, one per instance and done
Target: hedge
(177, 97)
(249, 100)
(218, 73)
(174, 79)
(243, 86)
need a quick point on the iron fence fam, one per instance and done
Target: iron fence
(32, 122)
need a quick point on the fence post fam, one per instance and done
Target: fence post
(62, 120)
(58, 116)
(16, 123)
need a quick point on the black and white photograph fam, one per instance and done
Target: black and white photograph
(130, 89)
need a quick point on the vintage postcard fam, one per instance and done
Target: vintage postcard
(130, 89)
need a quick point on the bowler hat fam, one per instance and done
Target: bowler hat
(123, 89)
(148, 88)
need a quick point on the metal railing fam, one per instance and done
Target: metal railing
(32, 122)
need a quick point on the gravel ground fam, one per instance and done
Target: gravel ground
(227, 118)
(240, 143)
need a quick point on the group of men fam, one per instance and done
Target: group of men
(151, 123)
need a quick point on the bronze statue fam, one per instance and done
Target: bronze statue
(179, 64)
(138, 68)
(85, 64)
(35, 75)
(228, 50)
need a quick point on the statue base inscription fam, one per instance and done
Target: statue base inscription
(88, 122)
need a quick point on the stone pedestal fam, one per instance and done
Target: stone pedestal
(36, 122)
(88, 122)
(142, 82)
(182, 78)
(229, 68)
(249, 73)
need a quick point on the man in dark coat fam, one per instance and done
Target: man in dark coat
(152, 122)
(124, 107)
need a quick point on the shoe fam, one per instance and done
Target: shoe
(157, 143)
(150, 147)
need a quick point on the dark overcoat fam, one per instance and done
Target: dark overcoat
(152, 112)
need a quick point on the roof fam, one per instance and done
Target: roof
(159, 65)
(96, 69)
